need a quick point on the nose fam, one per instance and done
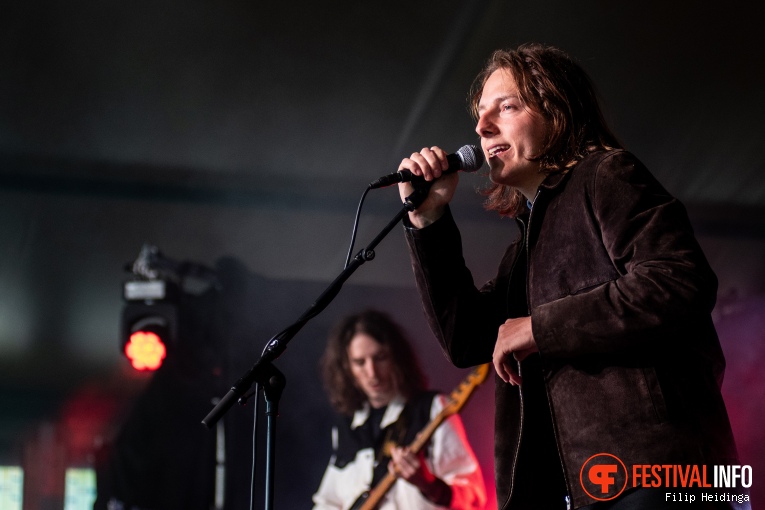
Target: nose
(485, 126)
(371, 369)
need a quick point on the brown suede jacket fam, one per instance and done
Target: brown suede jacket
(620, 295)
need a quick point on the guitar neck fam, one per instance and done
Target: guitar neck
(428, 431)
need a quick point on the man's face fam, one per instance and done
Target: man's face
(372, 369)
(510, 134)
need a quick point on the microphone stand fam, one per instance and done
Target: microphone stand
(265, 375)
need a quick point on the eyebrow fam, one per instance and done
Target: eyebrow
(375, 356)
(498, 100)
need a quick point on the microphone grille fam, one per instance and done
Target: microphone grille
(472, 158)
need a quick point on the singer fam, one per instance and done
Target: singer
(598, 321)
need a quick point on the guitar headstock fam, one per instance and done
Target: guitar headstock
(459, 397)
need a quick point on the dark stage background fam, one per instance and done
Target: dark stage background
(162, 438)
(240, 135)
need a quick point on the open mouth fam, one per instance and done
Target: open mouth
(498, 149)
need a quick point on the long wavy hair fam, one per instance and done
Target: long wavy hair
(338, 379)
(552, 85)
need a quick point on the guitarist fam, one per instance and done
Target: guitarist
(375, 383)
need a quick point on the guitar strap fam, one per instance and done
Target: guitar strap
(393, 436)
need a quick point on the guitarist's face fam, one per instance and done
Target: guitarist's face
(372, 368)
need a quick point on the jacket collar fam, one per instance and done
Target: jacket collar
(392, 413)
(552, 181)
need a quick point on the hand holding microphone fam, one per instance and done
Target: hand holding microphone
(434, 165)
(468, 159)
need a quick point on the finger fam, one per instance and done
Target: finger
(436, 158)
(406, 466)
(413, 163)
(429, 163)
(507, 372)
(399, 468)
(523, 354)
(510, 374)
(514, 377)
(498, 359)
(441, 154)
(395, 464)
(499, 367)
(407, 470)
(404, 455)
(416, 164)
(411, 461)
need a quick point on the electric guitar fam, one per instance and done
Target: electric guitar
(456, 401)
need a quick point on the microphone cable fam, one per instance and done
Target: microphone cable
(356, 226)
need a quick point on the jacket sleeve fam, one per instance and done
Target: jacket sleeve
(453, 461)
(463, 318)
(664, 284)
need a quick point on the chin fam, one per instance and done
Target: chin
(495, 175)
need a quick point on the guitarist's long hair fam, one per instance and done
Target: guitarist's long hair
(338, 379)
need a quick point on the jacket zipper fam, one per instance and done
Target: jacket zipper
(520, 393)
(528, 308)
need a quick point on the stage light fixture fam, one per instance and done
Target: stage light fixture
(149, 322)
(153, 297)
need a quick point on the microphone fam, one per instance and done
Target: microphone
(468, 158)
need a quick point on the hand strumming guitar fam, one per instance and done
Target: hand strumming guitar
(412, 468)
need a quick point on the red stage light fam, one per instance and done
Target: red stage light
(145, 350)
